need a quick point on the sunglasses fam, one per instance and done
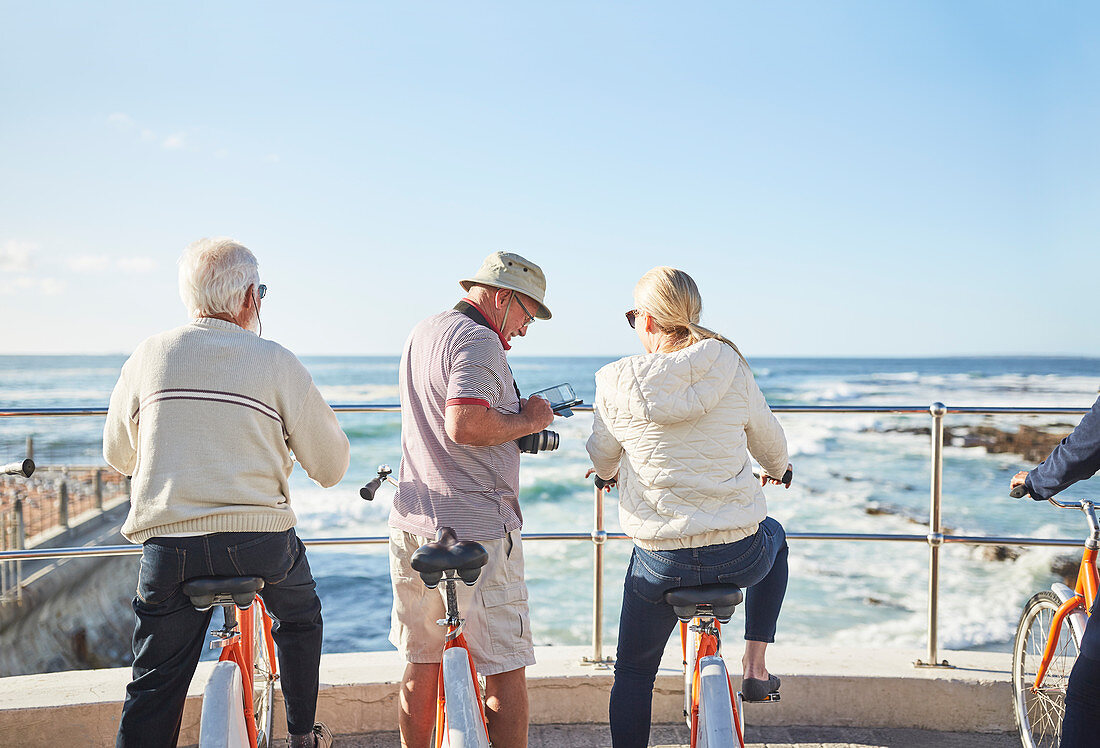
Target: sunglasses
(530, 317)
(631, 316)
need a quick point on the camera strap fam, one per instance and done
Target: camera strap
(471, 311)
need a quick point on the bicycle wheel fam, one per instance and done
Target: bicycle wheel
(715, 709)
(465, 727)
(1039, 711)
(263, 676)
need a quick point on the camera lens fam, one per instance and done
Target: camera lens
(543, 441)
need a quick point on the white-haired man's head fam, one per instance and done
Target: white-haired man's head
(215, 275)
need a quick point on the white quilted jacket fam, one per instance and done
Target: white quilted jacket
(686, 423)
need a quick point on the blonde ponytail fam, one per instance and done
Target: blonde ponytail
(671, 297)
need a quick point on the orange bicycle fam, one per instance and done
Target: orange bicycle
(460, 713)
(1048, 639)
(712, 707)
(237, 704)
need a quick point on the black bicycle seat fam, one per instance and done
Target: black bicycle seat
(206, 592)
(718, 600)
(447, 553)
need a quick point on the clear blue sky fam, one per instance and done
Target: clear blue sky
(841, 178)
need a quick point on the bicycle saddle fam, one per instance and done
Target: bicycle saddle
(447, 553)
(718, 600)
(206, 592)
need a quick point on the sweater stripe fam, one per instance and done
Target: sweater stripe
(231, 398)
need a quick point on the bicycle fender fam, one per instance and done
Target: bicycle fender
(222, 722)
(1077, 619)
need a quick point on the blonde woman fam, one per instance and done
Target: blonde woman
(675, 426)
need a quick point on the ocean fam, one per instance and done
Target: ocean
(853, 473)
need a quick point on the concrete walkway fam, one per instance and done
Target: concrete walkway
(676, 736)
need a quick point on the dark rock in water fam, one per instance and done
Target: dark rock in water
(1031, 443)
(1067, 567)
(999, 553)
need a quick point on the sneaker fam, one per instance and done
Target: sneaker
(319, 737)
(755, 689)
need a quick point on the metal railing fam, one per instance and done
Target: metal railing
(934, 538)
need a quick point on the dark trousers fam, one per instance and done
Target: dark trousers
(1081, 726)
(171, 634)
(757, 563)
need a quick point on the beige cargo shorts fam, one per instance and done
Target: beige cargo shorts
(498, 623)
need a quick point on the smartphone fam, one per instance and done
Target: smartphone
(561, 397)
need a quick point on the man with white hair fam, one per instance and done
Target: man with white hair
(208, 419)
(461, 414)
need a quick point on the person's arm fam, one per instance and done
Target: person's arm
(1076, 458)
(479, 425)
(319, 444)
(475, 388)
(120, 432)
(766, 440)
(605, 450)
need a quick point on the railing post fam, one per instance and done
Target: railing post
(99, 490)
(62, 503)
(599, 537)
(30, 447)
(21, 544)
(5, 544)
(935, 537)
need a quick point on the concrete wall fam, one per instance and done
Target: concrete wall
(872, 688)
(75, 612)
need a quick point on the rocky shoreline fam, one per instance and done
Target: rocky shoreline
(1032, 444)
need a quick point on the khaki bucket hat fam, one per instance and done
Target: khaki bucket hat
(510, 271)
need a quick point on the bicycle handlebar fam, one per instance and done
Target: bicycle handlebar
(24, 468)
(366, 493)
(1018, 492)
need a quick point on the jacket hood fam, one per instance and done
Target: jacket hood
(669, 388)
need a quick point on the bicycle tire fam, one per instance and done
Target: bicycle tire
(716, 728)
(222, 722)
(1039, 715)
(263, 679)
(465, 727)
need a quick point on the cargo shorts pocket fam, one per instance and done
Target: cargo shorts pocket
(507, 618)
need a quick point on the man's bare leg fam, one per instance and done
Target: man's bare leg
(506, 708)
(417, 704)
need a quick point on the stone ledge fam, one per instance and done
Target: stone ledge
(822, 686)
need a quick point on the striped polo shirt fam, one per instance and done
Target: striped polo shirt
(449, 359)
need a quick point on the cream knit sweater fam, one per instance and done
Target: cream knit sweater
(205, 418)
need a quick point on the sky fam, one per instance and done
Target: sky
(840, 178)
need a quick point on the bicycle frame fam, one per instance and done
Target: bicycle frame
(1088, 581)
(239, 650)
(710, 643)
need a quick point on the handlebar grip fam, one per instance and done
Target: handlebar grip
(602, 484)
(1019, 492)
(24, 468)
(788, 476)
(366, 493)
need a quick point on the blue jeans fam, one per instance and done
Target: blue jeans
(757, 563)
(170, 633)
(1081, 725)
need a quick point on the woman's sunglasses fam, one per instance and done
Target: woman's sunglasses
(631, 316)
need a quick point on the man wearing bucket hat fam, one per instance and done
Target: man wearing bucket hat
(461, 415)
